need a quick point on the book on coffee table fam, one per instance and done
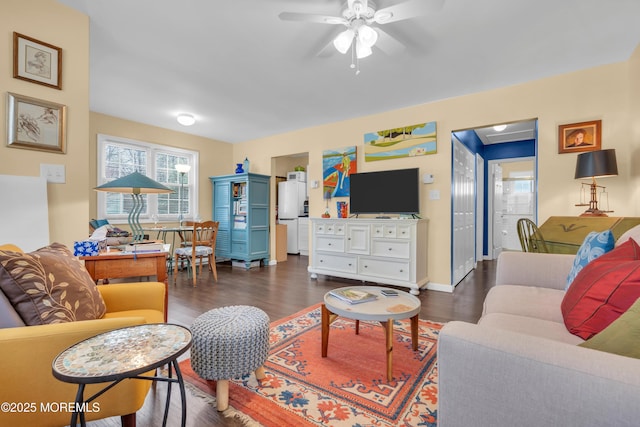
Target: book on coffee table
(353, 296)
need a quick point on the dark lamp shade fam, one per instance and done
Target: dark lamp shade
(596, 163)
(135, 183)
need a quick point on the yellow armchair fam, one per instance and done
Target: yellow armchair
(32, 396)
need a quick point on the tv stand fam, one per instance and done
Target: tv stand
(371, 250)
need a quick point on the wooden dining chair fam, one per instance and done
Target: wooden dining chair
(202, 240)
(531, 238)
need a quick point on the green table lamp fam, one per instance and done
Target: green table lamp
(135, 184)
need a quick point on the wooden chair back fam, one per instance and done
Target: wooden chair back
(531, 238)
(201, 235)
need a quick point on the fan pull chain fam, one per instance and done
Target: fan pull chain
(355, 61)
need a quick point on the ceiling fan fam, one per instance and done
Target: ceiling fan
(362, 21)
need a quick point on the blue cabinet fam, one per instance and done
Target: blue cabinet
(241, 206)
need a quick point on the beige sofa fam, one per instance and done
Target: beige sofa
(519, 366)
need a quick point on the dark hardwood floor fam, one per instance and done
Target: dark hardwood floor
(280, 291)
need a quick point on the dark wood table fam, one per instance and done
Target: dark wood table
(118, 265)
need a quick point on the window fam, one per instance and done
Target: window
(118, 157)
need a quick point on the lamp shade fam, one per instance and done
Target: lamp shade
(343, 41)
(182, 168)
(367, 36)
(596, 163)
(135, 183)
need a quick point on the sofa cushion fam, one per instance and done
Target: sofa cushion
(530, 301)
(632, 233)
(620, 337)
(593, 246)
(49, 285)
(602, 291)
(530, 326)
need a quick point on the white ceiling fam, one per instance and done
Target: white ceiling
(518, 131)
(245, 74)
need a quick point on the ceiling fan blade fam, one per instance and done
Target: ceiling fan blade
(406, 10)
(308, 17)
(387, 43)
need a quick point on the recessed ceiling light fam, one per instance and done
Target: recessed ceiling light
(499, 128)
(186, 119)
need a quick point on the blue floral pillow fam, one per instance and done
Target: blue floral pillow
(594, 245)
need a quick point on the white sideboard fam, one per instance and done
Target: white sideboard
(387, 251)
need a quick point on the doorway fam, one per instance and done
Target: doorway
(514, 197)
(504, 170)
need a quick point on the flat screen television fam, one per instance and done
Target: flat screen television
(385, 192)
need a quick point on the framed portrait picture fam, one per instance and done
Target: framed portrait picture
(578, 137)
(35, 124)
(37, 61)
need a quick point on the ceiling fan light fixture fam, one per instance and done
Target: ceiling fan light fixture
(186, 119)
(343, 41)
(367, 36)
(382, 16)
(362, 50)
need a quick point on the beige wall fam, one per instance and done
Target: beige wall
(68, 203)
(633, 139)
(610, 93)
(215, 156)
(600, 93)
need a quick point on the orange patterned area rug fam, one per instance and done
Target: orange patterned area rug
(347, 388)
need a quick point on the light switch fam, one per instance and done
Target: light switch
(434, 194)
(54, 173)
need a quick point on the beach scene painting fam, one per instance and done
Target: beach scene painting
(337, 167)
(408, 141)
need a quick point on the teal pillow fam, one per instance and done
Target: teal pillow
(594, 245)
(620, 337)
(97, 223)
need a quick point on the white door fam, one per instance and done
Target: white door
(463, 198)
(480, 185)
(499, 227)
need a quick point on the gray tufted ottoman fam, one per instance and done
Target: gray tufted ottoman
(229, 342)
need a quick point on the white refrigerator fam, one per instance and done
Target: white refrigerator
(291, 197)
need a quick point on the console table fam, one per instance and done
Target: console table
(389, 251)
(119, 265)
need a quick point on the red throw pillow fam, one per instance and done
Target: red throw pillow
(603, 290)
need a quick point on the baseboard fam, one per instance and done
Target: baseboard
(273, 262)
(439, 287)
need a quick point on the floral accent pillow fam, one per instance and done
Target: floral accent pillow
(49, 285)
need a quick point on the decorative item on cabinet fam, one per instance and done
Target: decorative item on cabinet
(343, 209)
(245, 164)
(327, 197)
(239, 168)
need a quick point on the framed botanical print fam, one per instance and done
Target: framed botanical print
(578, 137)
(35, 124)
(36, 61)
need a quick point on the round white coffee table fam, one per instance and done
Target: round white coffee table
(384, 309)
